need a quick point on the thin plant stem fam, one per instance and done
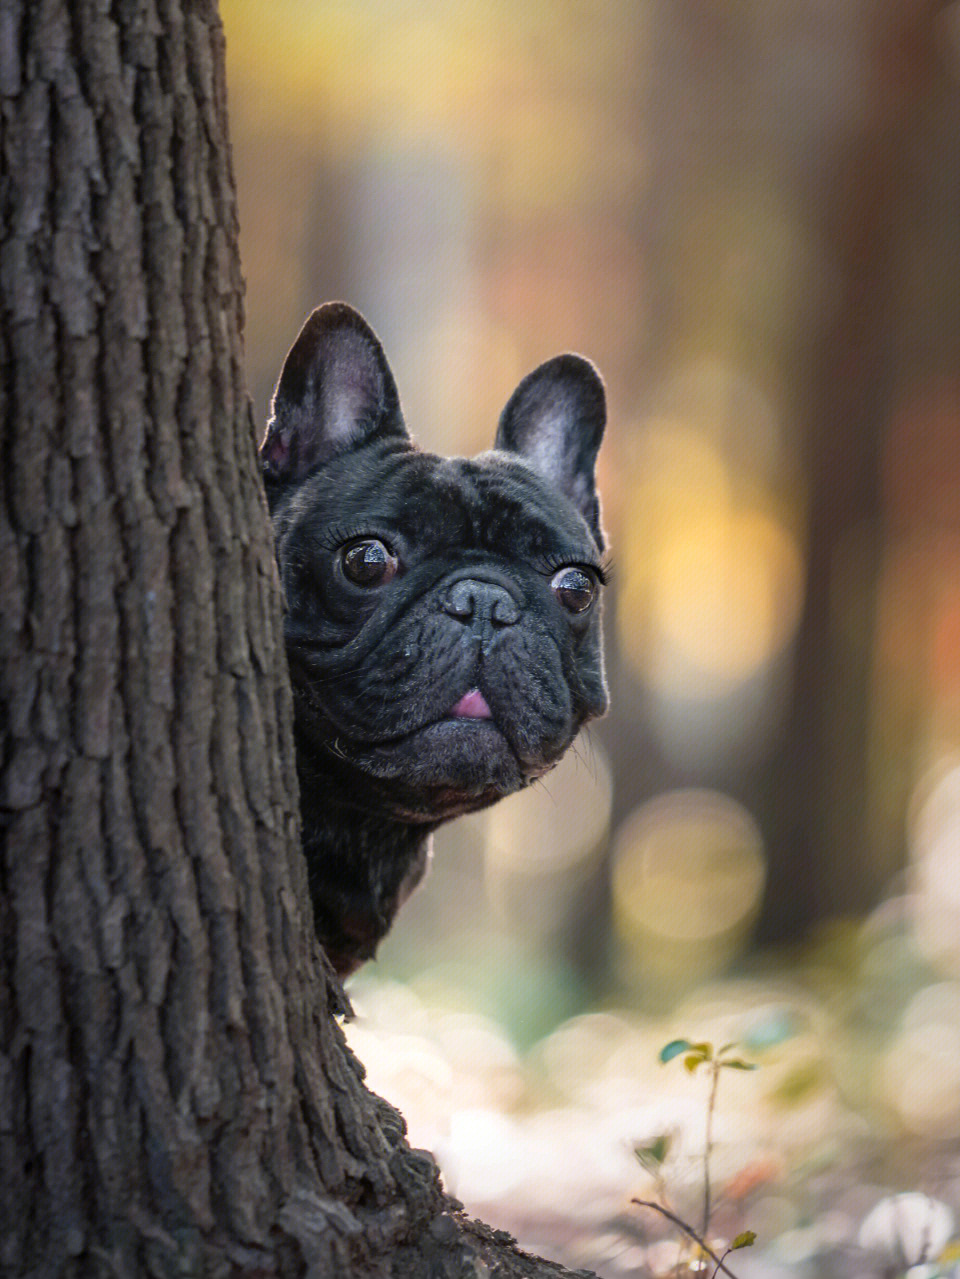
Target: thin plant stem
(687, 1230)
(720, 1263)
(708, 1146)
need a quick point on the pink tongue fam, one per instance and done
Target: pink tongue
(472, 705)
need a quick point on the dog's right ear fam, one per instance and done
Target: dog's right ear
(335, 393)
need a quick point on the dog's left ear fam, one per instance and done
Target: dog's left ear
(335, 393)
(554, 420)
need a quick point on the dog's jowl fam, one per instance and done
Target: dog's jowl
(442, 614)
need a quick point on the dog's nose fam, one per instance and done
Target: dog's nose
(482, 604)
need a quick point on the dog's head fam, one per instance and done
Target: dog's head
(443, 614)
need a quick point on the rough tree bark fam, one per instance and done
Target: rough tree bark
(176, 1097)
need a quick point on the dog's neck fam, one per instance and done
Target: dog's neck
(362, 864)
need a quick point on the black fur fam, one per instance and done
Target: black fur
(478, 546)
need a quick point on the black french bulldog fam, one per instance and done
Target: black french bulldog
(443, 614)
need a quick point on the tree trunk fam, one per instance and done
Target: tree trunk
(175, 1095)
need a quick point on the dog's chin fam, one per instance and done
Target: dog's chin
(444, 769)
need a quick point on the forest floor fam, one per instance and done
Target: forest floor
(841, 1150)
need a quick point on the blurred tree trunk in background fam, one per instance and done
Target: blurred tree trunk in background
(176, 1096)
(861, 200)
(841, 154)
(917, 685)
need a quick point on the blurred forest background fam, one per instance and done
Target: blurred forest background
(747, 213)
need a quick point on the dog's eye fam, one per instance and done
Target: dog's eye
(368, 562)
(575, 588)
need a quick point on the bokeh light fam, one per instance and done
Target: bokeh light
(725, 598)
(687, 880)
(935, 853)
(716, 590)
(547, 830)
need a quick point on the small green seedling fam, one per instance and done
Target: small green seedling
(652, 1155)
(697, 1054)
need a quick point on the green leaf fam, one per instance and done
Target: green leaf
(735, 1063)
(693, 1061)
(674, 1049)
(744, 1239)
(704, 1048)
(654, 1154)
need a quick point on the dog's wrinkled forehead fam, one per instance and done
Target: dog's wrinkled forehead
(488, 503)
